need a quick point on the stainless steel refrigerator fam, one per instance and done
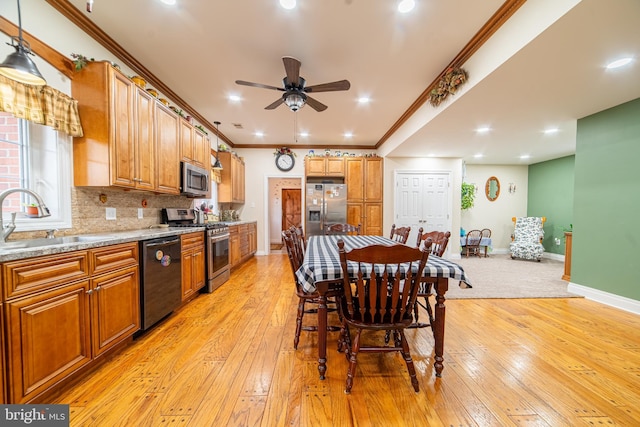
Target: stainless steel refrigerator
(325, 204)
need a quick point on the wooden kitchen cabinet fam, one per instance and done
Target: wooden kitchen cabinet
(324, 166)
(234, 246)
(3, 384)
(119, 147)
(57, 324)
(364, 179)
(168, 151)
(194, 145)
(232, 187)
(243, 242)
(73, 307)
(193, 264)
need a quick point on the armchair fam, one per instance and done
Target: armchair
(527, 238)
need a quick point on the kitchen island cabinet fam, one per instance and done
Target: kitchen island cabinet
(64, 311)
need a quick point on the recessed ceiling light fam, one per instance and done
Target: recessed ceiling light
(258, 133)
(234, 98)
(363, 100)
(551, 131)
(406, 6)
(288, 4)
(348, 135)
(169, 2)
(619, 63)
(478, 156)
(483, 129)
(525, 156)
(304, 134)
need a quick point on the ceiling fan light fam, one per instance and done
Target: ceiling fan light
(295, 101)
(406, 6)
(288, 4)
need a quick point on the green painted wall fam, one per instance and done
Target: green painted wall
(551, 194)
(606, 242)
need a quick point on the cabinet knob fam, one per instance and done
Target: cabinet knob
(90, 291)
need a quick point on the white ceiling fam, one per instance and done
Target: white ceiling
(200, 48)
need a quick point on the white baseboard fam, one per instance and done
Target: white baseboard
(557, 257)
(613, 300)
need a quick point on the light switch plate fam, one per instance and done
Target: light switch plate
(140, 213)
(111, 213)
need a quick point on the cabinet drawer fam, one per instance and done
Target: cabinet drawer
(110, 258)
(192, 240)
(30, 275)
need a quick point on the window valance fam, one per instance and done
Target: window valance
(44, 105)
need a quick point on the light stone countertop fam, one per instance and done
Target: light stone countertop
(230, 223)
(8, 253)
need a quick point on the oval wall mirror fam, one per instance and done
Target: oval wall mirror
(492, 189)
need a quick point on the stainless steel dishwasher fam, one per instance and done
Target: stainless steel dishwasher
(161, 283)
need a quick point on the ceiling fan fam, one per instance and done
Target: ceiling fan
(295, 92)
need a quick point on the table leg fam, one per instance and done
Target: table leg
(441, 286)
(322, 334)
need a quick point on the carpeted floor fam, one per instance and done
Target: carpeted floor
(498, 276)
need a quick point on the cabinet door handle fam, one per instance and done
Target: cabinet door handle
(89, 292)
(97, 288)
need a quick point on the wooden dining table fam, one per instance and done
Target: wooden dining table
(321, 267)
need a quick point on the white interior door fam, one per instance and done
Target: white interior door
(423, 200)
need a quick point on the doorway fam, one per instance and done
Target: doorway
(283, 203)
(423, 199)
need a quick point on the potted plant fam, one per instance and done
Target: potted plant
(468, 196)
(32, 209)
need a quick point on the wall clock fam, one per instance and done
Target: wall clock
(285, 161)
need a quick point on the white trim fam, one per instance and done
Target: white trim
(551, 255)
(617, 301)
(267, 238)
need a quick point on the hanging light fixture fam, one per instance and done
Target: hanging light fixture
(217, 166)
(18, 66)
(295, 101)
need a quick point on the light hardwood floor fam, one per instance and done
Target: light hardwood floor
(227, 358)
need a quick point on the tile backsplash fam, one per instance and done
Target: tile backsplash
(88, 211)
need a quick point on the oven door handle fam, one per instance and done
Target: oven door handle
(218, 237)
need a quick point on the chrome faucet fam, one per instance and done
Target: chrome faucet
(5, 231)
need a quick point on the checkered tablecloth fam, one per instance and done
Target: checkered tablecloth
(322, 260)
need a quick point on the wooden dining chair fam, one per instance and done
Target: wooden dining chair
(298, 239)
(472, 244)
(342, 229)
(378, 302)
(288, 241)
(439, 241)
(485, 233)
(400, 234)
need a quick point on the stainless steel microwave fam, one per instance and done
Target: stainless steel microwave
(195, 181)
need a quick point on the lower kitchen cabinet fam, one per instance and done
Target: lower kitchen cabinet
(48, 339)
(193, 264)
(243, 242)
(3, 384)
(63, 315)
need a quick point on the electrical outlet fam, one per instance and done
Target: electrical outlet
(111, 213)
(140, 213)
(557, 241)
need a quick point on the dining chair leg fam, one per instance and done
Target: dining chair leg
(322, 335)
(353, 360)
(408, 360)
(296, 338)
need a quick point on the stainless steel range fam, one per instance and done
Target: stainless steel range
(217, 244)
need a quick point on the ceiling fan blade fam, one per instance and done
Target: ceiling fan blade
(329, 87)
(273, 105)
(242, 82)
(292, 67)
(315, 104)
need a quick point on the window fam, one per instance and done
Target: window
(38, 158)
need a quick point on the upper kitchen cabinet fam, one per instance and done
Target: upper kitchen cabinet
(168, 151)
(120, 143)
(231, 187)
(195, 147)
(324, 166)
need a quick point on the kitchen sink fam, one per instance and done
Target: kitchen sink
(37, 243)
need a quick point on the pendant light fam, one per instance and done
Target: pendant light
(18, 66)
(217, 166)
